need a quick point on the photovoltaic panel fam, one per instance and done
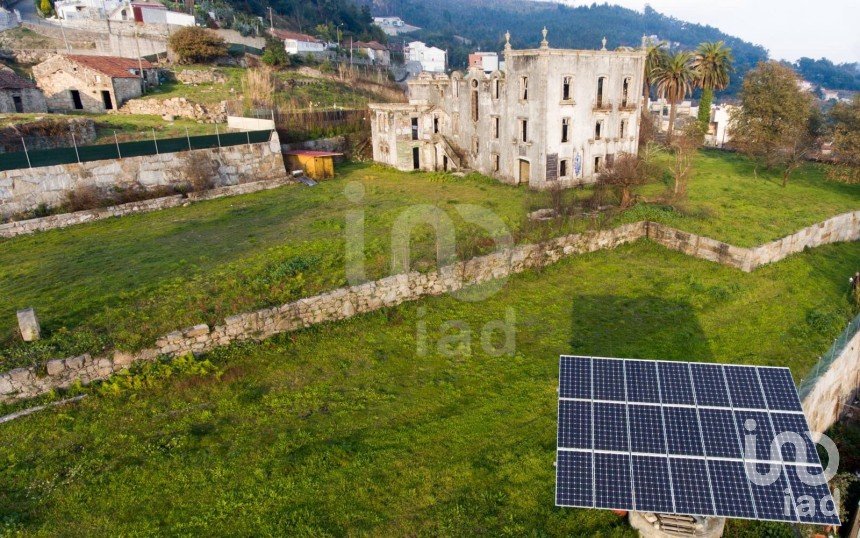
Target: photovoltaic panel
(779, 389)
(613, 488)
(682, 431)
(610, 426)
(732, 495)
(574, 479)
(651, 484)
(786, 423)
(710, 385)
(575, 377)
(608, 380)
(675, 383)
(641, 377)
(672, 437)
(744, 387)
(574, 427)
(756, 434)
(720, 433)
(646, 429)
(691, 486)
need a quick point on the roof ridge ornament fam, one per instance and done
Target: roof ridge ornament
(544, 44)
(507, 40)
(603, 43)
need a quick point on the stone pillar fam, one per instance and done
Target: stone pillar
(28, 323)
(672, 526)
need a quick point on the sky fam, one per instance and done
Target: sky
(789, 29)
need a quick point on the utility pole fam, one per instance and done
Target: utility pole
(350, 52)
(63, 31)
(271, 19)
(140, 61)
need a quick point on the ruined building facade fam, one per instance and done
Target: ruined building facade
(550, 117)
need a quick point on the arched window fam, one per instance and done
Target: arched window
(625, 91)
(475, 105)
(600, 83)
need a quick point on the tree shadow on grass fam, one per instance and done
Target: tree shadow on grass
(646, 327)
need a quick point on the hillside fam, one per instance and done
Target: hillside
(485, 22)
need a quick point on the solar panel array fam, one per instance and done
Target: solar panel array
(683, 438)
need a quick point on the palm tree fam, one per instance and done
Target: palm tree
(655, 55)
(713, 63)
(674, 80)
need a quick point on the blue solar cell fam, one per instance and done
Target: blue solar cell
(720, 433)
(641, 381)
(608, 379)
(574, 485)
(675, 384)
(575, 377)
(770, 491)
(798, 447)
(610, 426)
(779, 389)
(682, 431)
(691, 486)
(710, 385)
(732, 497)
(756, 435)
(812, 500)
(612, 481)
(744, 387)
(574, 424)
(646, 429)
(651, 484)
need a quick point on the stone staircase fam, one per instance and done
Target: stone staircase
(455, 154)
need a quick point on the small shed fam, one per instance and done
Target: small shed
(316, 164)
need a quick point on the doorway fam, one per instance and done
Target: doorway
(76, 100)
(445, 163)
(416, 160)
(107, 100)
(525, 171)
(19, 104)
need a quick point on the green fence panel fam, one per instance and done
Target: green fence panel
(827, 359)
(138, 148)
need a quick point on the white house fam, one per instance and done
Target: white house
(718, 126)
(297, 43)
(393, 25)
(485, 61)
(432, 59)
(85, 9)
(376, 52)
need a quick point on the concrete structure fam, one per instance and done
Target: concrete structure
(347, 302)
(18, 94)
(394, 25)
(553, 117)
(377, 53)
(71, 10)
(92, 83)
(28, 324)
(718, 127)
(485, 61)
(297, 43)
(315, 164)
(676, 526)
(431, 59)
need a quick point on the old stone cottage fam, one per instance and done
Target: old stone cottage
(92, 83)
(18, 94)
(551, 117)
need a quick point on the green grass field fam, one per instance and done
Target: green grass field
(122, 282)
(348, 428)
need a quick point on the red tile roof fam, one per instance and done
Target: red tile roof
(112, 66)
(287, 34)
(11, 81)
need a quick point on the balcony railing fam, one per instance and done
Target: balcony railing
(602, 106)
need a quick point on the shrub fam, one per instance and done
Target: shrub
(196, 45)
(275, 55)
(200, 172)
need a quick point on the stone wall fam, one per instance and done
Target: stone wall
(336, 143)
(47, 133)
(177, 107)
(52, 222)
(346, 302)
(24, 189)
(825, 403)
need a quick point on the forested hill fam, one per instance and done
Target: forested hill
(484, 22)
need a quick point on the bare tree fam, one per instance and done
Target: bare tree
(684, 144)
(626, 172)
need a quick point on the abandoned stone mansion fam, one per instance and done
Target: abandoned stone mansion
(549, 117)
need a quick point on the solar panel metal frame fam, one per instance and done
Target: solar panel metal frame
(573, 388)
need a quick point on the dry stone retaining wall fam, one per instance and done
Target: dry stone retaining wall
(12, 229)
(823, 406)
(391, 291)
